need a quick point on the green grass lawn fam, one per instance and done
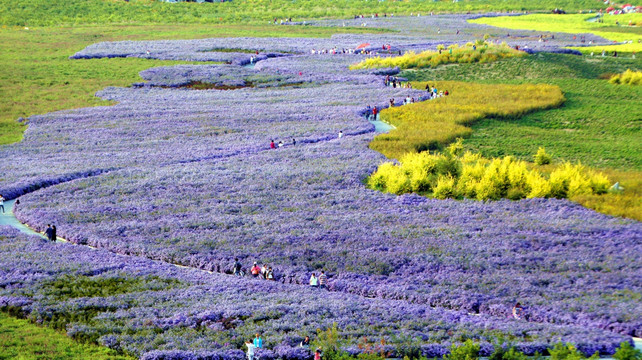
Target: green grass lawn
(598, 125)
(22, 340)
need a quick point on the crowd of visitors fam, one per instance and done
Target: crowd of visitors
(266, 272)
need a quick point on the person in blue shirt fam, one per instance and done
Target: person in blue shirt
(258, 342)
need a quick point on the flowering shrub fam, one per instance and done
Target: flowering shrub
(472, 176)
(627, 78)
(454, 54)
(541, 157)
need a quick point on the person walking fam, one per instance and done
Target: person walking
(250, 350)
(54, 236)
(256, 270)
(264, 270)
(236, 268)
(48, 232)
(2, 203)
(314, 281)
(340, 134)
(293, 142)
(317, 354)
(258, 342)
(323, 280)
(375, 113)
(272, 144)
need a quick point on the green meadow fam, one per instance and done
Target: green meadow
(22, 340)
(598, 125)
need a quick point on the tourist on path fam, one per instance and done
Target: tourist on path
(340, 134)
(323, 280)
(256, 270)
(317, 354)
(2, 203)
(250, 350)
(236, 268)
(272, 144)
(270, 274)
(54, 236)
(314, 281)
(49, 232)
(264, 270)
(258, 342)
(305, 343)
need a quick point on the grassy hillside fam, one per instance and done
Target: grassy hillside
(55, 12)
(598, 125)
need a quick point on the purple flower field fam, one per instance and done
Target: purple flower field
(211, 314)
(181, 176)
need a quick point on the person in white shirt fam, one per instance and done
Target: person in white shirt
(2, 203)
(250, 350)
(340, 134)
(314, 281)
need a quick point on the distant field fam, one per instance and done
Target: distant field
(55, 12)
(577, 24)
(37, 76)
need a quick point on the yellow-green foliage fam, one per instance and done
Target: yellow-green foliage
(475, 177)
(628, 77)
(627, 203)
(454, 54)
(542, 158)
(576, 24)
(431, 124)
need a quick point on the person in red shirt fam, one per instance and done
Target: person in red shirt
(256, 270)
(374, 113)
(272, 144)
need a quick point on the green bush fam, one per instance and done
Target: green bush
(466, 351)
(542, 158)
(500, 353)
(627, 352)
(569, 352)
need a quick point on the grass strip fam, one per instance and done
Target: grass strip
(430, 125)
(20, 339)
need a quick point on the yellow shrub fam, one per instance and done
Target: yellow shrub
(445, 188)
(542, 158)
(537, 186)
(628, 78)
(434, 58)
(472, 176)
